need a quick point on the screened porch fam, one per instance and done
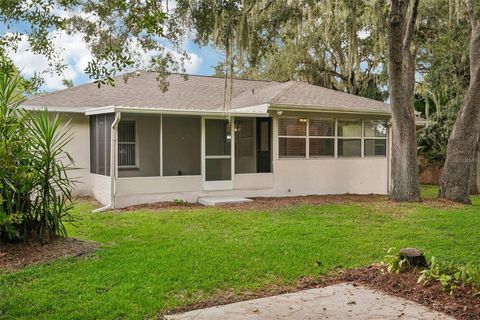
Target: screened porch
(212, 148)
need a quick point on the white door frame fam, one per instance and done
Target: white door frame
(224, 184)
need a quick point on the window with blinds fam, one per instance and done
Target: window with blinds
(321, 137)
(292, 134)
(327, 137)
(349, 138)
(375, 144)
(127, 144)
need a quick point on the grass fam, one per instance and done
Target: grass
(152, 261)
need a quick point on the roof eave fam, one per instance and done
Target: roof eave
(304, 108)
(53, 108)
(197, 112)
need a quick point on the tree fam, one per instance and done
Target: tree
(401, 67)
(118, 32)
(315, 42)
(459, 164)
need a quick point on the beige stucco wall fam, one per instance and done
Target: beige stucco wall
(100, 188)
(79, 149)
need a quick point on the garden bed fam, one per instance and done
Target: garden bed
(19, 255)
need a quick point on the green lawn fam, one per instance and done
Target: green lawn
(151, 261)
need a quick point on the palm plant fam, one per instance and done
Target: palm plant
(14, 176)
(35, 190)
(52, 196)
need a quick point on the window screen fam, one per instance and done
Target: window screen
(320, 143)
(375, 147)
(181, 145)
(252, 145)
(348, 129)
(375, 144)
(127, 143)
(100, 141)
(292, 137)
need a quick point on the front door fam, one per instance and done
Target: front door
(217, 154)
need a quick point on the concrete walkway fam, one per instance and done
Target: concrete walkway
(342, 301)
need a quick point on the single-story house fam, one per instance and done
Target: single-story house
(134, 144)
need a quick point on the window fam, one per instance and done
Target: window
(349, 138)
(328, 137)
(322, 137)
(100, 130)
(375, 138)
(127, 144)
(292, 137)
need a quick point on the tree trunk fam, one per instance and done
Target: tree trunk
(405, 186)
(475, 176)
(456, 178)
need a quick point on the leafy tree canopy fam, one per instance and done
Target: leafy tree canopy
(118, 32)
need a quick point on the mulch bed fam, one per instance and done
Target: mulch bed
(14, 256)
(267, 203)
(463, 305)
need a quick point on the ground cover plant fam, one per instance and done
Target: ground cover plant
(155, 260)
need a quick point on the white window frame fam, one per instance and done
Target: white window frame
(135, 143)
(351, 138)
(294, 137)
(375, 138)
(335, 138)
(220, 184)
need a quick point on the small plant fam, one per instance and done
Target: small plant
(180, 202)
(451, 276)
(394, 261)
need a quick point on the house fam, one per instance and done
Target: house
(134, 144)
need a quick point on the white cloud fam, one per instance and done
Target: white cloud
(76, 54)
(72, 50)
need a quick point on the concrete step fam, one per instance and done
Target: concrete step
(216, 201)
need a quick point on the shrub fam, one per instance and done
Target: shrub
(35, 191)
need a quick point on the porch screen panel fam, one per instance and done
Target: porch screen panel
(252, 145)
(181, 145)
(100, 138)
(245, 146)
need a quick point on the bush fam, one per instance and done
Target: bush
(35, 191)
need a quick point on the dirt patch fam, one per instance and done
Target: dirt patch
(19, 255)
(267, 203)
(462, 305)
(282, 202)
(167, 205)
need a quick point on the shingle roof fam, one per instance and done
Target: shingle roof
(203, 93)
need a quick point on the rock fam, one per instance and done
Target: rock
(414, 257)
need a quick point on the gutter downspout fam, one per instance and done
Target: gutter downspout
(113, 164)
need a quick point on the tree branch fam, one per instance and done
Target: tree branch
(471, 14)
(410, 27)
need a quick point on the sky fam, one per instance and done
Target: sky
(76, 54)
